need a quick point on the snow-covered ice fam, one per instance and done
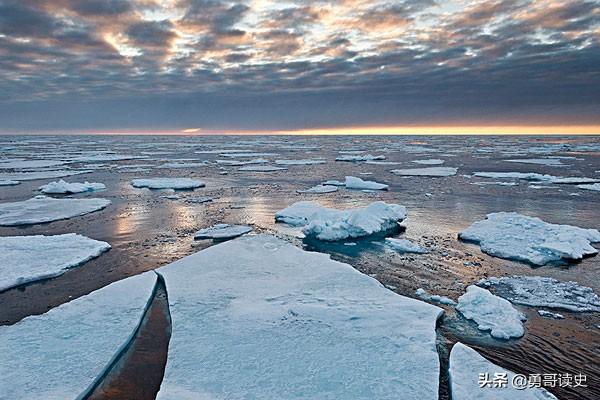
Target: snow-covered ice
(262, 168)
(320, 189)
(423, 295)
(331, 224)
(594, 187)
(519, 237)
(42, 209)
(404, 246)
(430, 171)
(538, 291)
(167, 183)
(353, 182)
(222, 231)
(257, 317)
(354, 158)
(62, 187)
(466, 366)
(30, 258)
(60, 354)
(491, 313)
(430, 161)
(551, 315)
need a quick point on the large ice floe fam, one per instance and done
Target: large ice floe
(331, 224)
(353, 182)
(404, 246)
(534, 176)
(429, 171)
(30, 258)
(167, 183)
(62, 187)
(467, 367)
(491, 313)
(257, 317)
(595, 187)
(519, 237)
(538, 291)
(42, 209)
(222, 232)
(62, 353)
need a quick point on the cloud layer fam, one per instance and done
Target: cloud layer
(260, 64)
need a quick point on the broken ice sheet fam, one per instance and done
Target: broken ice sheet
(222, 232)
(60, 354)
(429, 171)
(30, 258)
(62, 187)
(256, 317)
(167, 183)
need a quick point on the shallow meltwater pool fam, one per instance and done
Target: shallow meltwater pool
(147, 229)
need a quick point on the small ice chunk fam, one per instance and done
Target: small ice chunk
(30, 258)
(199, 200)
(404, 246)
(261, 168)
(519, 237)
(466, 366)
(330, 224)
(222, 232)
(353, 182)
(431, 171)
(355, 158)
(431, 161)
(423, 295)
(62, 187)
(7, 182)
(319, 189)
(491, 313)
(167, 183)
(538, 291)
(42, 209)
(594, 187)
(333, 182)
(548, 314)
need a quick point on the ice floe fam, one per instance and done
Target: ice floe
(175, 165)
(404, 246)
(491, 313)
(538, 291)
(353, 182)
(331, 224)
(320, 189)
(595, 187)
(239, 163)
(257, 317)
(308, 161)
(8, 183)
(431, 161)
(42, 209)
(551, 162)
(37, 175)
(354, 158)
(24, 164)
(519, 237)
(222, 232)
(466, 366)
(261, 168)
(334, 182)
(62, 353)
(30, 258)
(551, 315)
(430, 171)
(62, 187)
(106, 157)
(167, 183)
(423, 295)
(534, 176)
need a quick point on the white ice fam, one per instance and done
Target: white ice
(551, 315)
(222, 231)
(175, 165)
(167, 183)
(331, 224)
(239, 163)
(32, 176)
(366, 157)
(353, 182)
(466, 366)
(29, 258)
(106, 157)
(307, 161)
(62, 187)
(534, 176)
(552, 162)
(430, 171)
(333, 182)
(404, 246)
(42, 209)
(431, 161)
(261, 168)
(537, 291)
(23, 164)
(258, 318)
(423, 295)
(491, 313)
(60, 354)
(519, 237)
(320, 189)
(595, 187)
(9, 183)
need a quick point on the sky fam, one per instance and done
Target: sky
(299, 66)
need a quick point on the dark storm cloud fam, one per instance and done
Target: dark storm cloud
(247, 64)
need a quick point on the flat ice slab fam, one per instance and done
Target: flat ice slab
(330, 224)
(258, 318)
(404, 246)
(42, 209)
(62, 187)
(552, 162)
(594, 187)
(167, 183)
(537, 291)
(59, 354)
(36, 175)
(430, 161)
(31, 258)
(491, 313)
(262, 168)
(519, 237)
(355, 158)
(306, 161)
(466, 366)
(320, 189)
(24, 164)
(8, 182)
(353, 182)
(430, 171)
(222, 232)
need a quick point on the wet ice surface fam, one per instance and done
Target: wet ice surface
(147, 231)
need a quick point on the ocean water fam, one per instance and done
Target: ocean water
(147, 230)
